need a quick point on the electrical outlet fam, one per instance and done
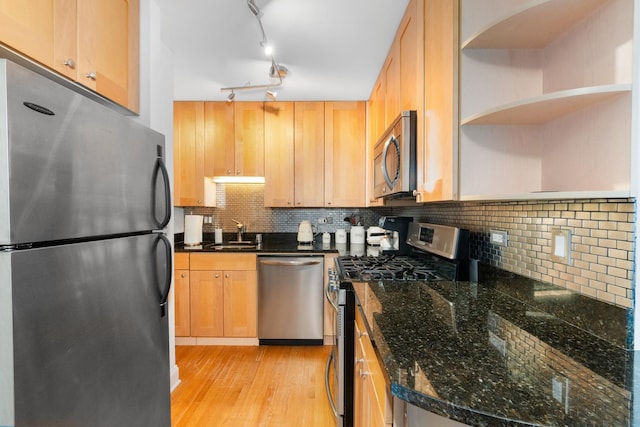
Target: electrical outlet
(499, 237)
(329, 220)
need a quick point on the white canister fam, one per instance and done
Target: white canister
(357, 235)
(218, 235)
(341, 236)
(192, 230)
(326, 238)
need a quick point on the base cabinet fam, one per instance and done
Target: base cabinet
(222, 299)
(181, 295)
(371, 394)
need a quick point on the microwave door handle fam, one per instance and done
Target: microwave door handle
(385, 151)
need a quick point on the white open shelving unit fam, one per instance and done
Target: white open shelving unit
(546, 98)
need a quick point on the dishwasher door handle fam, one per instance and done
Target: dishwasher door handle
(287, 263)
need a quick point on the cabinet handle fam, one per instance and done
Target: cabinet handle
(199, 202)
(228, 171)
(91, 75)
(227, 276)
(69, 63)
(362, 334)
(216, 276)
(237, 172)
(359, 361)
(183, 275)
(329, 203)
(364, 374)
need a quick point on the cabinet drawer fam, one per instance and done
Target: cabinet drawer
(224, 261)
(181, 261)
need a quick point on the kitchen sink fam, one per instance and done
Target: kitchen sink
(232, 245)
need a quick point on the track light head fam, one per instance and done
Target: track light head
(278, 71)
(231, 96)
(254, 9)
(272, 95)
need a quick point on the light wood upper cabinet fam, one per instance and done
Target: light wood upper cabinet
(345, 154)
(249, 139)
(108, 49)
(547, 113)
(437, 164)
(92, 42)
(392, 78)
(219, 139)
(279, 144)
(189, 153)
(309, 154)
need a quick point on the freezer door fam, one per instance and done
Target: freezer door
(72, 168)
(90, 343)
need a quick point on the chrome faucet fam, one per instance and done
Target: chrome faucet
(241, 229)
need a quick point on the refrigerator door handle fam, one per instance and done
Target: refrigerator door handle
(167, 282)
(167, 192)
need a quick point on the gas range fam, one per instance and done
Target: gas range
(437, 252)
(393, 267)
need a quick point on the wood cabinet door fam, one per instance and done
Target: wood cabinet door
(240, 303)
(410, 56)
(360, 395)
(28, 26)
(219, 134)
(279, 148)
(108, 49)
(375, 129)
(309, 154)
(182, 303)
(188, 139)
(249, 138)
(392, 84)
(345, 154)
(437, 171)
(207, 315)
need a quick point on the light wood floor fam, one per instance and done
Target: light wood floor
(251, 386)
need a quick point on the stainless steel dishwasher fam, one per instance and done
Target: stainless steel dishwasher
(290, 299)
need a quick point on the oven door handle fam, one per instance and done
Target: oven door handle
(327, 385)
(328, 297)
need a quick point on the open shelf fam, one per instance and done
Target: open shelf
(547, 107)
(532, 25)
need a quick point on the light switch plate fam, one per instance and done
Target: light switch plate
(499, 237)
(561, 245)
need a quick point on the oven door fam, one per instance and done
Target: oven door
(339, 369)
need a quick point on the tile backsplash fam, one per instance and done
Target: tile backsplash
(602, 240)
(602, 233)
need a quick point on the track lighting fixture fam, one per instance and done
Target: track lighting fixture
(272, 95)
(276, 71)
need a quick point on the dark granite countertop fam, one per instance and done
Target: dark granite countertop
(508, 351)
(271, 243)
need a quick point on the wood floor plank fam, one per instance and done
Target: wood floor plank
(266, 386)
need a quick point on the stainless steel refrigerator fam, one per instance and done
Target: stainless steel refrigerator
(85, 268)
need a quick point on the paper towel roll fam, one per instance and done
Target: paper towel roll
(218, 235)
(192, 230)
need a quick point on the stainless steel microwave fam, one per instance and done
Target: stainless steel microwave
(394, 158)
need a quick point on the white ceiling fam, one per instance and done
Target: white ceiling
(334, 49)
